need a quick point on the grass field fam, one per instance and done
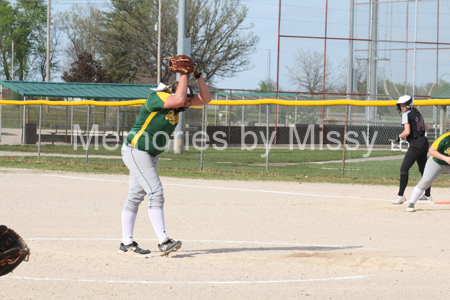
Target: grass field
(229, 164)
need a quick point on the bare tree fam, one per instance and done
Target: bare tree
(39, 55)
(79, 24)
(360, 76)
(125, 40)
(307, 71)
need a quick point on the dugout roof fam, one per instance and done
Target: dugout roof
(85, 90)
(444, 94)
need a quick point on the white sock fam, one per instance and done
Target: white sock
(157, 219)
(416, 193)
(128, 221)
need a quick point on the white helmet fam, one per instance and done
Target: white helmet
(406, 99)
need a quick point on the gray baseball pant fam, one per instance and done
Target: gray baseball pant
(144, 179)
(431, 172)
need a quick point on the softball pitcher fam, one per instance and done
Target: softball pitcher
(147, 139)
(414, 129)
(438, 163)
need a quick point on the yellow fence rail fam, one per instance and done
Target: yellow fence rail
(232, 102)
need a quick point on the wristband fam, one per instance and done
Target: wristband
(198, 75)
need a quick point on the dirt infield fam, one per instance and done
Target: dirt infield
(241, 240)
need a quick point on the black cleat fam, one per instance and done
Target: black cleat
(132, 248)
(169, 245)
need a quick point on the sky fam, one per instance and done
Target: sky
(307, 18)
(264, 15)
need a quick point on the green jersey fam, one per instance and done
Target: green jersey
(442, 145)
(154, 125)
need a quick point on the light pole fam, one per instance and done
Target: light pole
(158, 78)
(12, 62)
(183, 47)
(47, 76)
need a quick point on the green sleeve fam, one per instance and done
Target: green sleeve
(154, 103)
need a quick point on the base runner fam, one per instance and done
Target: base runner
(414, 129)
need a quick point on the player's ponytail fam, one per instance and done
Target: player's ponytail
(172, 89)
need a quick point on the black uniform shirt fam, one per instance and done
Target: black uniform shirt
(416, 124)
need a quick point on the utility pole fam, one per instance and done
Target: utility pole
(158, 78)
(183, 47)
(373, 57)
(47, 76)
(351, 83)
(12, 62)
(47, 73)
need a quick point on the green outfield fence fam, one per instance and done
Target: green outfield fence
(241, 132)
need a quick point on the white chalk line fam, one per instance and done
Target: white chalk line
(185, 282)
(210, 187)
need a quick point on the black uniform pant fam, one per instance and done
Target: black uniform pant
(417, 151)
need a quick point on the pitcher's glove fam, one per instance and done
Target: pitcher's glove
(181, 64)
(13, 250)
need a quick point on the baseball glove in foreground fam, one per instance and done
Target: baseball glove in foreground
(181, 64)
(13, 250)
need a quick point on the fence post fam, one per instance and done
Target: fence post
(24, 121)
(295, 118)
(259, 114)
(216, 107)
(267, 138)
(123, 123)
(87, 134)
(71, 124)
(443, 120)
(0, 121)
(1, 98)
(39, 138)
(243, 110)
(229, 120)
(203, 137)
(345, 140)
(104, 120)
(435, 119)
(118, 122)
(67, 120)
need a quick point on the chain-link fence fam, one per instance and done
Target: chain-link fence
(338, 140)
(333, 140)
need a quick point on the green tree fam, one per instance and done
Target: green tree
(31, 19)
(7, 22)
(126, 41)
(21, 23)
(266, 85)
